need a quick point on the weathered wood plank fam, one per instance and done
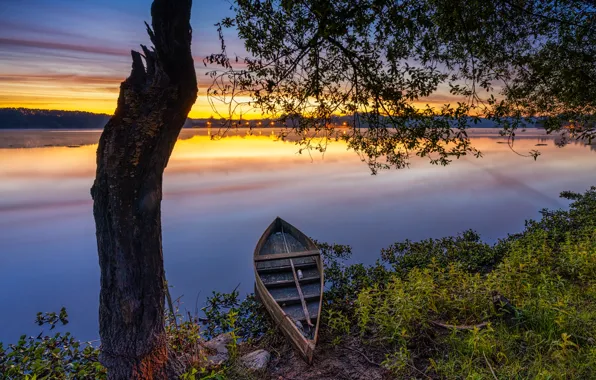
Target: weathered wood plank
(302, 300)
(283, 268)
(282, 283)
(275, 244)
(295, 310)
(296, 300)
(283, 276)
(290, 255)
(289, 294)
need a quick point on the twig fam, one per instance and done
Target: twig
(489, 366)
(379, 365)
(197, 304)
(459, 327)
(170, 303)
(363, 355)
(419, 371)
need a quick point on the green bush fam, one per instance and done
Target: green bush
(59, 356)
(465, 248)
(250, 318)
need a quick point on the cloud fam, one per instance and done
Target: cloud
(61, 204)
(11, 43)
(8, 27)
(62, 78)
(38, 205)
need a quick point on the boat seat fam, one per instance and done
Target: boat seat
(296, 299)
(285, 278)
(282, 265)
(282, 283)
(289, 255)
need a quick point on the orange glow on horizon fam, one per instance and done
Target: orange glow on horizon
(99, 94)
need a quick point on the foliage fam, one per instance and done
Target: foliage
(184, 335)
(547, 274)
(186, 338)
(517, 63)
(226, 313)
(202, 374)
(401, 308)
(344, 281)
(465, 248)
(60, 356)
(195, 374)
(338, 323)
(579, 220)
(52, 318)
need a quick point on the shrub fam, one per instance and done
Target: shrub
(465, 248)
(59, 356)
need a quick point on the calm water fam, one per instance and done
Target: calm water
(220, 195)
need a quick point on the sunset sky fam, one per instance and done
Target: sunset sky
(72, 55)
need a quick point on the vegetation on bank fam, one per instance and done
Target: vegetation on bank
(524, 307)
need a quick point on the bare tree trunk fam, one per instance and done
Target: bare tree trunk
(133, 152)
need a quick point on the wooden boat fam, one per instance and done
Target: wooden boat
(289, 282)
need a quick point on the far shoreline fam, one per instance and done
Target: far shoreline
(27, 138)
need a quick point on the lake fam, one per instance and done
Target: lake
(219, 196)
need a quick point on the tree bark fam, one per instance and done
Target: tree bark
(133, 152)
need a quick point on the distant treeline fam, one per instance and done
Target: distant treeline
(23, 118)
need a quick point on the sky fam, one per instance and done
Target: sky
(73, 54)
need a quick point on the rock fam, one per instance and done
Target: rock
(256, 360)
(218, 346)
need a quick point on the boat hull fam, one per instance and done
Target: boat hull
(291, 286)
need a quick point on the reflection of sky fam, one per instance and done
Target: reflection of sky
(220, 195)
(72, 55)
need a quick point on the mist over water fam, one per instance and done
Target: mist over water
(219, 196)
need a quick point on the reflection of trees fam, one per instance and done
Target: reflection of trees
(561, 140)
(592, 146)
(566, 138)
(289, 135)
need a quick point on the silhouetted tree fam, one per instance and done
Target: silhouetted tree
(132, 154)
(516, 62)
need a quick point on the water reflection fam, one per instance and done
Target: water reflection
(220, 195)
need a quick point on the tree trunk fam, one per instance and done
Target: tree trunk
(133, 152)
